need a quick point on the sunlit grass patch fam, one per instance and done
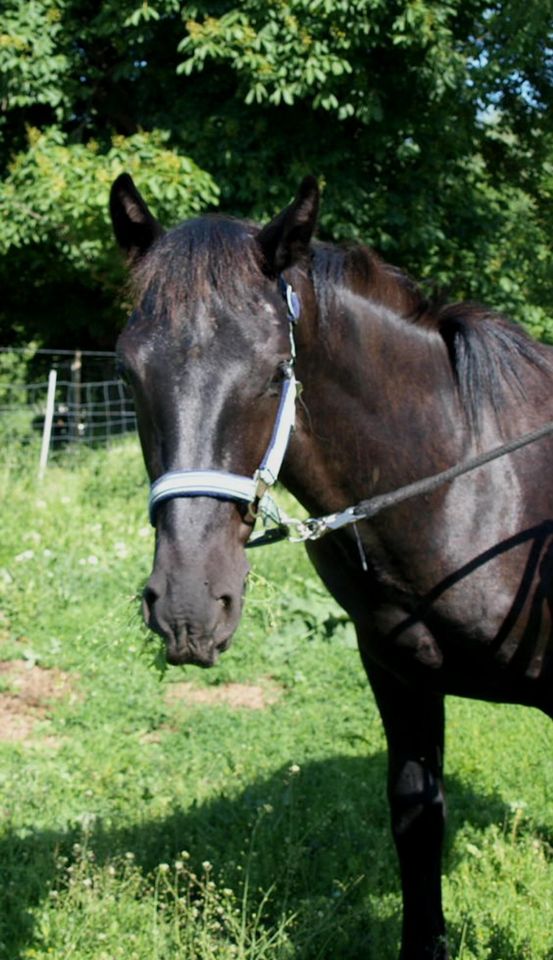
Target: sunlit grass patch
(498, 889)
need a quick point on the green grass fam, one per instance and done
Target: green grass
(138, 827)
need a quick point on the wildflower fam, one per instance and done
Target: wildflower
(26, 555)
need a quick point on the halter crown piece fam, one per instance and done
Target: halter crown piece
(232, 486)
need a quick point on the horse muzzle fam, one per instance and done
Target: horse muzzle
(196, 617)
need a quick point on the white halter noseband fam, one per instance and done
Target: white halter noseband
(232, 486)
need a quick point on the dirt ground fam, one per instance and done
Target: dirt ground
(238, 696)
(26, 691)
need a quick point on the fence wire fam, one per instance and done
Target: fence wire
(92, 405)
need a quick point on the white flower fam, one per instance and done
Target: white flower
(26, 555)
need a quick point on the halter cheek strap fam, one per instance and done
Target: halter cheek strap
(232, 486)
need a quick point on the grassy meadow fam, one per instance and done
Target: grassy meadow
(231, 814)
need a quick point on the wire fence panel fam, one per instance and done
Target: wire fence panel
(92, 406)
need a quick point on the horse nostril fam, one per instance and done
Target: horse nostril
(226, 602)
(149, 597)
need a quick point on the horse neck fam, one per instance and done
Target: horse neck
(379, 407)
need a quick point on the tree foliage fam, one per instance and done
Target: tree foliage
(427, 121)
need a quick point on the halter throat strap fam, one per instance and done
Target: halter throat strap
(232, 486)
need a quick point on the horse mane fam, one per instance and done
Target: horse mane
(487, 352)
(363, 272)
(490, 355)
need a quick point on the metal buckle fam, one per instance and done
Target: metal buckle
(309, 529)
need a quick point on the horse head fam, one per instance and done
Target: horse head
(205, 352)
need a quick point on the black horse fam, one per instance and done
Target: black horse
(450, 593)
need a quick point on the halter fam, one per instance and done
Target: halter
(233, 486)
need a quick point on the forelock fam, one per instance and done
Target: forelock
(212, 259)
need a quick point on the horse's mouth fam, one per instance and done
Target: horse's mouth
(187, 642)
(198, 655)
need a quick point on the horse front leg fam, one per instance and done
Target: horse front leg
(414, 726)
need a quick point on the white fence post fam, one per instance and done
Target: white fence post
(48, 418)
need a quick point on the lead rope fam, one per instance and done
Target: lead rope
(313, 528)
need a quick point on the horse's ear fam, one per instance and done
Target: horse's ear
(134, 226)
(285, 240)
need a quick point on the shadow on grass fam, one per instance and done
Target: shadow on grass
(315, 834)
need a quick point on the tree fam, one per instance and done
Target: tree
(70, 77)
(427, 121)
